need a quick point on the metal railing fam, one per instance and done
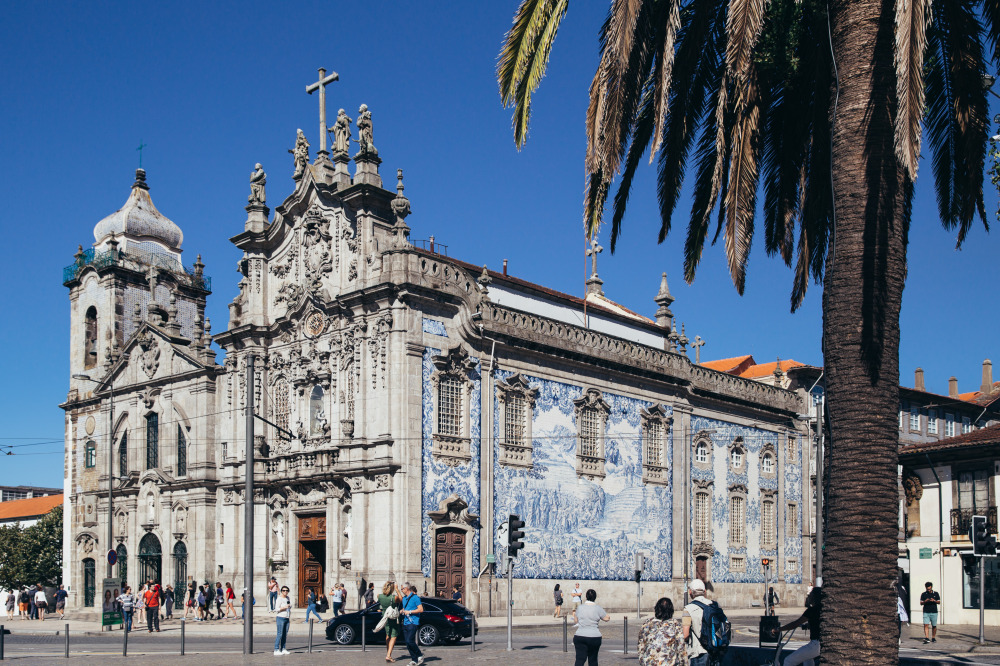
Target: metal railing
(961, 520)
(138, 261)
(431, 245)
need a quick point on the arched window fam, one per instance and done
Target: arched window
(123, 455)
(767, 463)
(122, 564)
(736, 456)
(150, 559)
(701, 453)
(152, 440)
(90, 338)
(89, 582)
(180, 567)
(317, 415)
(182, 456)
(90, 455)
(281, 404)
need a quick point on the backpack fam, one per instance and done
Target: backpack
(716, 631)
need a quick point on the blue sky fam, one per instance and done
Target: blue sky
(212, 88)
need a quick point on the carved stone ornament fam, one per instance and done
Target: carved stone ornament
(314, 324)
(453, 509)
(913, 487)
(703, 548)
(86, 543)
(148, 396)
(150, 358)
(317, 259)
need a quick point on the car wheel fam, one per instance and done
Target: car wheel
(344, 634)
(428, 634)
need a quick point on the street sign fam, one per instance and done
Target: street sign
(112, 557)
(491, 558)
(926, 553)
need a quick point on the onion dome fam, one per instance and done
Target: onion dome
(139, 219)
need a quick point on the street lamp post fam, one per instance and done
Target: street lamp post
(111, 457)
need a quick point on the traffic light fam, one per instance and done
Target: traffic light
(765, 562)
(514, 534)
(982, 542)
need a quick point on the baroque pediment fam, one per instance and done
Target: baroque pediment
(152, 354)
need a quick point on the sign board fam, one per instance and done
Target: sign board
(491, 558)
(926, 553)
(110, 613)
(112, 557)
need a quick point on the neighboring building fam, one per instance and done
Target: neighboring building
(27, 512)
(946, 482)
(8, 493)
(428, 399)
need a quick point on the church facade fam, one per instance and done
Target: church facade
(413, 401)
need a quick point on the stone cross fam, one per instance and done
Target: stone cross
(321, 86)
(697, 344)
(592, 252)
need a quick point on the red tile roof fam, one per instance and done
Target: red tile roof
(978, 437)
(734, 365)
(26, 509)
(765, 369)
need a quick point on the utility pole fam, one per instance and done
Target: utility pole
(248, 510)
(510, 604)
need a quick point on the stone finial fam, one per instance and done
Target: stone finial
(672, 338)
(484, 281)
(173, 323)
(778, 373)
(682, 341)
(137, 316)
(664, 317)
(140, 179)
(79, 255)
(199, 268)
(113, 246)
(401, 207)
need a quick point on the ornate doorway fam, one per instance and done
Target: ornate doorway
(150, 559)
(89, 582)
(312, 556)
(180, 567)
(449, 561)
(701, 568)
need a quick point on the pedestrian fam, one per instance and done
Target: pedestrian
(283, 608)
(220, 601)
(32, 608)
(811, 650)
(587, 640)
(127, 602)
(661, 637)
(140, 605)
(390, 598)
(41, 603)
(929, 600)
(412, 608)
(230, 597)
(691, 622)
(901, 614)
(10, 602)
(272, 594)
(557, 597)
(209, 597)
(311, 606)
(370, 595)
(22, 603)
(456, 594)
(322, 602)
(168, 603)
(151, 599)
(577, 596)
(337, 593)
(190, 597)
(772, 600)
(61, 595)
(202, 604)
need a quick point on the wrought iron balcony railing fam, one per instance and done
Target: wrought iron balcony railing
(138, 261)
(961, 520)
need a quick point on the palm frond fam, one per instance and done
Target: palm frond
(740, 200)
(524, 57)
(641, 135)
(743, 24)
(912, 19)
(596, 195)
(664, 73)
(991, 19)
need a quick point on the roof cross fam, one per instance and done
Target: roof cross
(141, 146)
(697, 344)
(592, 252)
(321, 86)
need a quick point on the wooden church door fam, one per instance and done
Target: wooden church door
(449, 561)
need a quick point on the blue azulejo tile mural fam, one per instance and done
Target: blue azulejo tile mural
(434, 327)
(749, 477)
(575, 528)
(438, 479)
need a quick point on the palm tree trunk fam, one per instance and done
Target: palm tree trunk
(865, 272)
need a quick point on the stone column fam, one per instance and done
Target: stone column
(681, 437)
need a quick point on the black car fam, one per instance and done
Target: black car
(442, 620)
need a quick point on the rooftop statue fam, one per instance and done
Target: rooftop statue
(341, 132)
(301, 154)
(366, 141)
(257, 181)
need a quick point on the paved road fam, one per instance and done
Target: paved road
(534, 646)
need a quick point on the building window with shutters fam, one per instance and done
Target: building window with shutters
(768, 523)
(949, 425)
(966, 425)
(655, 430)
(90, 455)
(182, 456)
(914, 419)
(702, 515)
(591, 421)
(517, 405)
(451, 386)
(932, 422)
(152, 440)
(737, 518)
(792, 521)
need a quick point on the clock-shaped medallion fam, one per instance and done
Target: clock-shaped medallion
(315, 323)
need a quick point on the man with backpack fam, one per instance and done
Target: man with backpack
(706, 628)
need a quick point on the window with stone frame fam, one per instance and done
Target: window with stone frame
(914, 419)
(655, 428)
(949, 425)
(591, 422)
(182, 451)
(738, 563)
(281, 404)
(768, 461)
(792, 520)
(451, 386)
(737, 456)
(90, 455)
(152, 440)
(123, 455)
(768, 522)
(517, 404)
(792, 446)
(932, 422)
(90, 338)
(702, 455)
(737, 516)
(702, 513)
(967, 425)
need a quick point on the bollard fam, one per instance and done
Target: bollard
(364, 636)
(565, 633)
(310, 634)
(125, 643)
(182, 635)
(1, 642)
(473, 632)
(625, 637)
(67, 640)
